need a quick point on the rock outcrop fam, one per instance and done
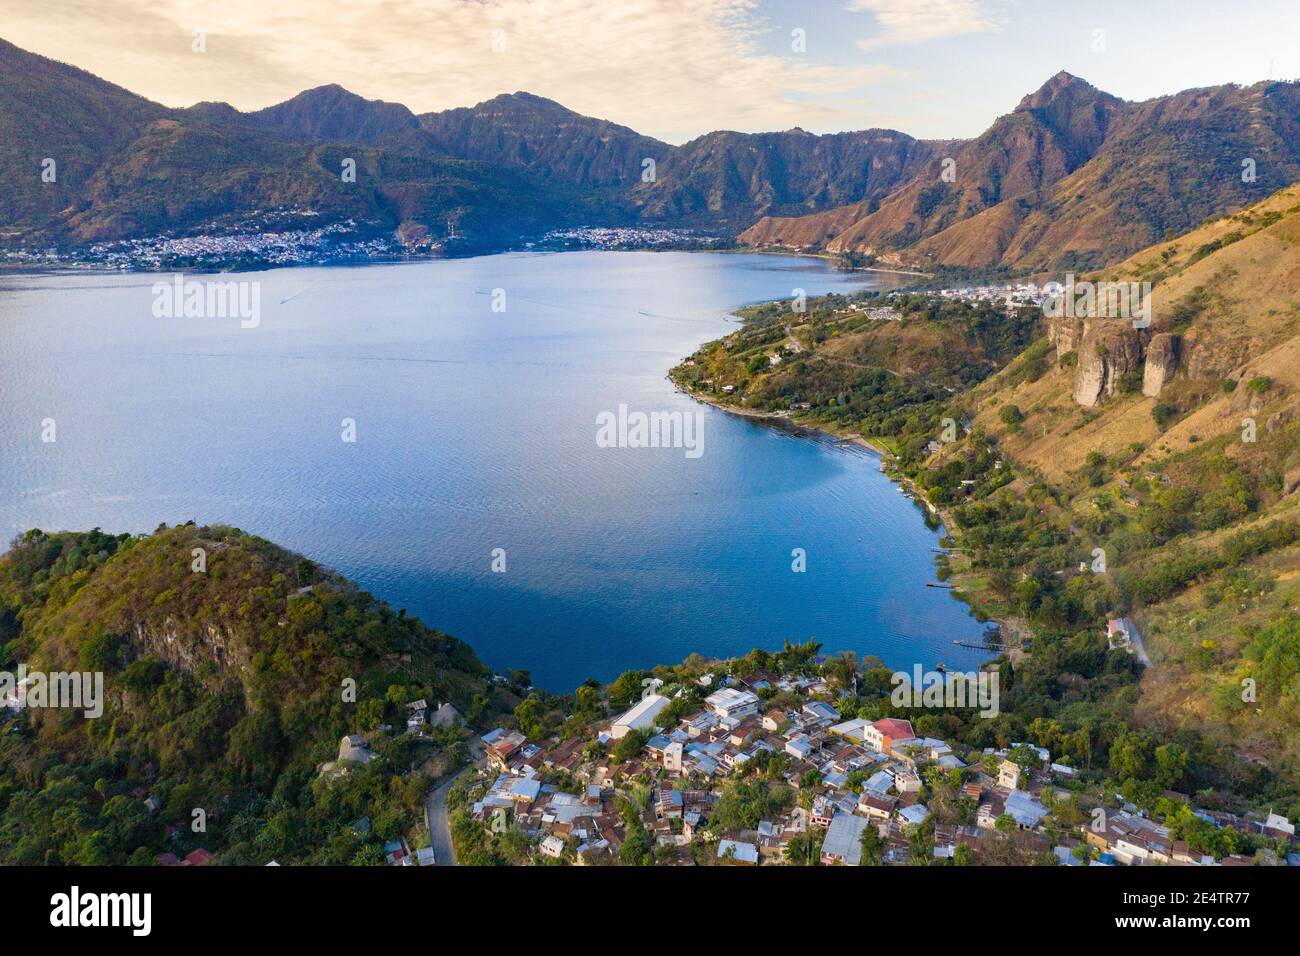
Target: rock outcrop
(1065, 334)
(1161, 363)
(1108, 352)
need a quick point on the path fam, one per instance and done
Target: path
(435, 810)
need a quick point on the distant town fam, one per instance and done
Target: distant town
(625, 238)
(288, 237)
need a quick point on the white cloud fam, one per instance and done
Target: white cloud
(669, 68)
(918, 21)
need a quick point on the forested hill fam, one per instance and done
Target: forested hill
(224, 690)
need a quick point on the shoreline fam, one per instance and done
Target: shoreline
(903, 482)
(234, 267)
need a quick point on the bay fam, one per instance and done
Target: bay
(475, 431)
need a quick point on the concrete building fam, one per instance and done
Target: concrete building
(640, 717)
(733, 704)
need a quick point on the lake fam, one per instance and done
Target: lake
(474, 388)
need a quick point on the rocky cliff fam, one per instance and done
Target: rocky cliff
(1161, 363)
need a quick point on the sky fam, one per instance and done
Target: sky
(672, 69)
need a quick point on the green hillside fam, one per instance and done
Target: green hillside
(224, 691)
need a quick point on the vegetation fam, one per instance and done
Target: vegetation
(226, 689)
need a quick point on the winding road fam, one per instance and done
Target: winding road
(435, 810)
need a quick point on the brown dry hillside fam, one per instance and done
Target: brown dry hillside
(1176, 450)
(1071, 178)
(1226, 304)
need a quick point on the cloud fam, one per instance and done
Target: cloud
(670, 68)
(918, 21)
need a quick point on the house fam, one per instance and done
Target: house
(821, 712)
(906, 780)
(989, 811)
(823, 811)
(843, 843)
(885, 733)
(641, 716)
(552, 847)
(1024, 809)
(673, 757)
(1008, 774)
(881, 782)
(1280, 825)
(588, 853)
(770, 846)
(876, 807)
(852, 730)
(1119, 634)
(502, 744)
(800, 746)
(1065, 856)
(738, 853)
(773, 719)
(742, 735)
(914, 815)
(424, 856)
(732, 704)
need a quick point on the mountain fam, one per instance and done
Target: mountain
(1072, 178)
(332, 114)
(544, 139)
(224, 689)
(129, 168)
(49, 110)
(731, 178)
(514, 166)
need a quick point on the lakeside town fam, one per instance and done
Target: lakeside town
(624, 238)
(246, 244)
(287, 237)
(770, 769)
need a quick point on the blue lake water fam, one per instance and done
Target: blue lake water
(475, 430)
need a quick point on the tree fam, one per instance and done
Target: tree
(1130, 755)
(873, 846)
(630, 745)
(921, 843)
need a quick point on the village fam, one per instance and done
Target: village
(865, 792)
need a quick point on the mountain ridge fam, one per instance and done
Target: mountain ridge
(1040, 190)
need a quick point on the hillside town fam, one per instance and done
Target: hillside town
(706, 789)
(336, 242)
(623, 238)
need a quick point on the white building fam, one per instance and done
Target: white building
(673, 757)
(732, 703)
(640, 717)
